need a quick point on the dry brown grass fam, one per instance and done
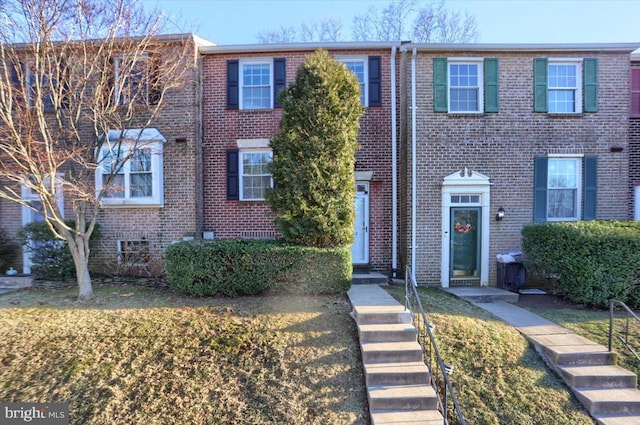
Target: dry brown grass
(148, 356)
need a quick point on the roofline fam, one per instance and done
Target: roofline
(548, 47)
(296, 47)
(168, 38)
(635, 56)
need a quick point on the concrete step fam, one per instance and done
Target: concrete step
(573, 350)
(608, 376)
(482, 294)
(391, 352)
(618, 401)
(406, 417)
(407, 373)
(368, 278)
(402, 397)
(387, 332)
(617, 420)
(381, 314)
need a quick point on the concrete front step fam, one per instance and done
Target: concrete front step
(402, 397)
(405, 373)
(482, 294)
(388, 352)
(406, 417)
(617, 420)
(624, 401)
(608, 376)
(368, 278)
(573, 350)
(365, 315)
(387, 332)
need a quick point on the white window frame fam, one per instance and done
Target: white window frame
(577, 89)
(149, 139)
(478, 62)
(578, 159)
(242, 64)
(243, 152)
(364, 85)
(121, 79)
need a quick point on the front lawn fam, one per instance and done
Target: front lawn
(138, 355)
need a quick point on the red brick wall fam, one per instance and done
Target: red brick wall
(222, 128)
(502, 146)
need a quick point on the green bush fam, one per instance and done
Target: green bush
(8, 250)
(232, 267)
(50, 257)
(590, 262)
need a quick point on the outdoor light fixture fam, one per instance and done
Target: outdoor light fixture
(500, 214)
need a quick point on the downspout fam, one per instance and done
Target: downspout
(394, 169)
(414, 166)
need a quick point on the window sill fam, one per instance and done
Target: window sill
(130, 204)
(467, 114)
(566, 115)
(257, 111)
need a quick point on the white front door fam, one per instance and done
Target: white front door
(360, 247)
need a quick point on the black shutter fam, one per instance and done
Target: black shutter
(279, 79)
(155, 88)
(233, 75)
(540, 189)
(233, 176)
(375, 81)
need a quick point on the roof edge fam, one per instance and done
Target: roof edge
(550, 47)
(293, 47)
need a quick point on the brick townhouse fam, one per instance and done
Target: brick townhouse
(141, 221)
(240, 114)
(500, 136)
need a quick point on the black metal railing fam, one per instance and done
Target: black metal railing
(625, 334)
(439, 371)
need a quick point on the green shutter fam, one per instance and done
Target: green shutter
(440, 85)
(540, 69)
(590, 84)
(491, 85)
(590, 187)
(540, 189)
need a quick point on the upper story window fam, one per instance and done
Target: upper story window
(465, 88)
(130, 168)
(465, 85)
(635, 92)
(256, 84)
(358, 65)
(132, 80)
(255, 177)
(565, 86)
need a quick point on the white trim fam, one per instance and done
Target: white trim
(578, 62)
(253, 143)
(254, 61)
(579, 187)
(565, 155)
(365, 229)
(636, 210)
(241, 171)
(394, 168)
(465, 182)
(478, 62)
(364, 175)
(365, 62)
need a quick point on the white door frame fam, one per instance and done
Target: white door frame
(465, 182)
(362, 192)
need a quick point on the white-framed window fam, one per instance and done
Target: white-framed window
(358, 65)
(256, 84)
(131, 80)
(465, 85)
(133, 252)
(564, 188)
(255, 177)
(564, 86)
(130, 168)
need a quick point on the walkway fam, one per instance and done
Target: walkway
(607, 391)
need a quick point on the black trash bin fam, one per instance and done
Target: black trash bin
(512, 274)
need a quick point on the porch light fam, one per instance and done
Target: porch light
(500, 214)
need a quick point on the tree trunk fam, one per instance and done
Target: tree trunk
(79, 247)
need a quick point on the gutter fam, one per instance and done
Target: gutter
(414, 163)
(538, 47)
(295, 47)
(394, 169)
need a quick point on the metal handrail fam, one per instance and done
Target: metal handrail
(430, 350)
(624, 340)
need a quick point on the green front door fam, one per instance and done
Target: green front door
(465, 243)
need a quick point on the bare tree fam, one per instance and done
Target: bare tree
(431, 22)
(326, 29)
(72, 72)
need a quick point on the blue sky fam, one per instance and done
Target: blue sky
(499, 21)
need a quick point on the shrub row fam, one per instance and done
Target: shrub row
(589, 262)
(234, 267)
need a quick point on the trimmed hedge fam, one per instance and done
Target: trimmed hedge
(232, 267)
(590, 262)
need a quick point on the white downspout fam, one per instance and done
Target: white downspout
(394, 169)
(414, 166)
